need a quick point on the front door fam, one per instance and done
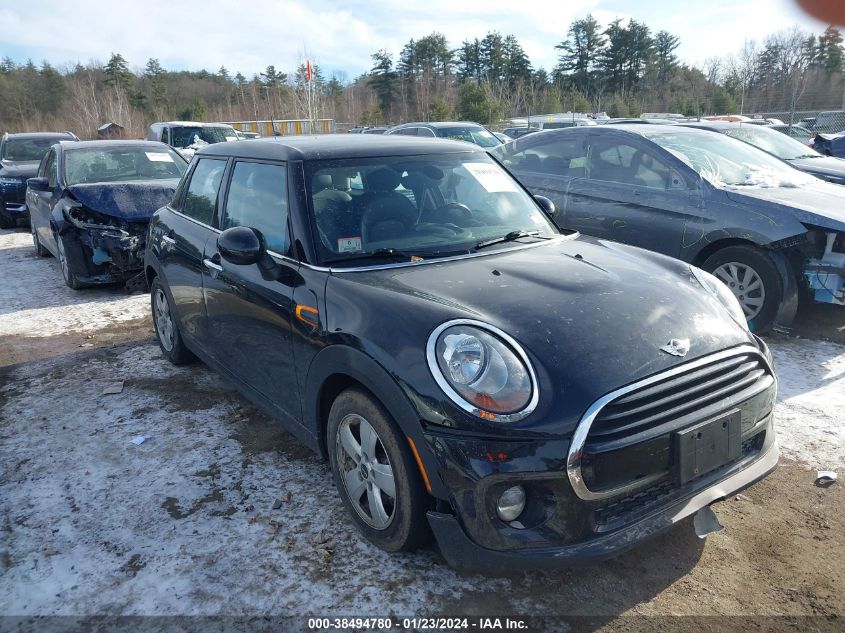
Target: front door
(250, 312)
(40, 203)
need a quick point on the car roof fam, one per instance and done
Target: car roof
(192, 123)
(336, 146)
(25, 135)
(439, 124)
(107, 144)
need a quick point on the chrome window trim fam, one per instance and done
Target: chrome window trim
(454, 396)
(579, 438)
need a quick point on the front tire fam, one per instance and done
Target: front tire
(62, 248)
(36, 242)
(166, 327)
(375, 474)
(751, 274)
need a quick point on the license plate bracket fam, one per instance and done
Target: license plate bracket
(706, 446)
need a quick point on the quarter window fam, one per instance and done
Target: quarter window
(50, 171)
(612, 161)
(201, 197)
(258, 198)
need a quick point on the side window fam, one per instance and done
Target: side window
(50, 171)
(624, 163)
(424, 131)
(201, 196)
(561, 157)
(165, 136)
(408, 131)
(258, 198)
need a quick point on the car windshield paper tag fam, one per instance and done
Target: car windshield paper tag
(159, 157)
(490, 177)
(349, 244)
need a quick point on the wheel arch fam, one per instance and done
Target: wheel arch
(340, 367)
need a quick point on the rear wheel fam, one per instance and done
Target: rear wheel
(166, 328)
(753, 277)
(375, 473)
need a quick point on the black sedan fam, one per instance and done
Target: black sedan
(406, 309)
(91, 203)
(763, 227)
(20, 155)
(781, 146)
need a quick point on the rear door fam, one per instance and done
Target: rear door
(249, 315)
(181, 235)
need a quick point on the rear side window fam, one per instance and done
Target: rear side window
(201, 196)
(258, 198)
(559, 157)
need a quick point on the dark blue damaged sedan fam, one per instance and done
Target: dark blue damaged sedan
(529, 398)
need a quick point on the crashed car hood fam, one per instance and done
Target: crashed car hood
(10, 169)
(136, 200)
(592, 314)
(822, 166)
(821, 204)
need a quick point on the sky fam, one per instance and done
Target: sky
(341, 36)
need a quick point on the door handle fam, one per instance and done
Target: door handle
(212, 266)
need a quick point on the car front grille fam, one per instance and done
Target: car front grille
(659, 405)
(13, 192)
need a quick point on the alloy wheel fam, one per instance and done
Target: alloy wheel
(746, 284)
(164, 321)
(366, 471)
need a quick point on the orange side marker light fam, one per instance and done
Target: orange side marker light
(308, 315)
(420, 464)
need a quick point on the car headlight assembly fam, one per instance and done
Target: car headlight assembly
(482, 370)
(722, 293)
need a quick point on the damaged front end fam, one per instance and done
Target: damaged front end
(114, 246)
(824, 268)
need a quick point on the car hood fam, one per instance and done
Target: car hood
(10, 169)
(592, 314)
(126, 200)
(821, 204)
(825, 167)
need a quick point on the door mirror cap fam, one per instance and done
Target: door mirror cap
(546, 205)
(38, 184)
(241, 245)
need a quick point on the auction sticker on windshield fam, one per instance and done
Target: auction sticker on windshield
(159, 157)
(490, 177)
(349, 244)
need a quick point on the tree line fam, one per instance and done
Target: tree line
(623, 68)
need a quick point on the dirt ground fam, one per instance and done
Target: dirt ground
(190, 511)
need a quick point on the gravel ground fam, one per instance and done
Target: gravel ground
(184, 522)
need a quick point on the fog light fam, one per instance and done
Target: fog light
(511, 503)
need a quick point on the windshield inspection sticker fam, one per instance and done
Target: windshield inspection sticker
(159, 157)
(490, 177)
(348, 244)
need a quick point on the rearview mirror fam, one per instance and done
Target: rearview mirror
(546, 205)
(38, 184)
(241, 245)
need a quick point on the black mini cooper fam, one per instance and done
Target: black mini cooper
(407, 309)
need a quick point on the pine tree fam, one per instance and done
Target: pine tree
(117, 72)
(383, 79)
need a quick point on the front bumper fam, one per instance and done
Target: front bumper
(463, 553)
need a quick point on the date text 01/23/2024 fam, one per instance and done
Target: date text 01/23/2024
(418, 624)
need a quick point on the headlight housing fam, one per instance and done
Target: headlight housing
(722, 293)
(4, 180)
(482, 370)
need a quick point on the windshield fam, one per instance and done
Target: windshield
(21, 150)
(477, 135)
(771, 141)
(427, 206)
(722, 160)
(183, 137)
(122, 163)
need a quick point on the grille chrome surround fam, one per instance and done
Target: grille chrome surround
(579, 438)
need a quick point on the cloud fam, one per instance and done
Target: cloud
(341, 36)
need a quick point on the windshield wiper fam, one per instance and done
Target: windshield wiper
(510, 237)
(376, 254)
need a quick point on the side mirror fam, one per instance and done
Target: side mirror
(241, 245)
(546, 205)
(38, 184)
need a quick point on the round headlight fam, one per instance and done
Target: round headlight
(722, 294)
(483, 370)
